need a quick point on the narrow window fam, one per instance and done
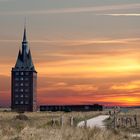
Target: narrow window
(26, 96)
(16, 79)
(16, 84)
(21, 84)
(21, 79)
(21, 90)
(27, 73)
(21, 102)
(26, 90)
(26, 79)
(17, 73)
(22, 73)
(27, 84)
(26, 102)
(21, 95)
(16, 102)
(16, 90)
(16, 95)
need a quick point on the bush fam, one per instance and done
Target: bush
(22, 117)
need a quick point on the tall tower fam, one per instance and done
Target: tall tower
(24, 80)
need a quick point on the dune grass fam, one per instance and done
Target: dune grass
(38, 127)
(131, 112)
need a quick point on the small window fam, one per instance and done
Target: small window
(17, 73)
(26, 96)
(16, 90)
(21, 84)
(21, 90)
(26, 102)
(21, 95)
(27, 73)
(22, 73)
(26, 79)
(16, 79)
(16, 95)
(27, 84)
(21, 79)
(16, 102)
(16, 84)
(21, 102)
(26, 90)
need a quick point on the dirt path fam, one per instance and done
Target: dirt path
(94, 122)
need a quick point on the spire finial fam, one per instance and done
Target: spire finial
(24, 36)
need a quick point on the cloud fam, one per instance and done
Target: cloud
(134, 85)
(76, 10)
(124, 15)
(3, 0)
(67, 87)
(79, 42)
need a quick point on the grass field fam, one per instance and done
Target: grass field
(38, 127)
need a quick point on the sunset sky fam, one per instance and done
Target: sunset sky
(85, 51)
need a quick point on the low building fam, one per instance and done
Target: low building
(68, 108)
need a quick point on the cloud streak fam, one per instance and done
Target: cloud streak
(80, 41)
(76, 10)
(3, 0)
(123, 15)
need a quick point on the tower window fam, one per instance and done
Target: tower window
(26, 96)
(21, 84)
(26, 79)
(21, 79)
(16, 84)
(16, 79)
(21, 95)
(27, 84)
(27, 73)
(16, 95)
(16, 102)
(26, 102)
(21, 90)
(26, 90)
(16, 90)
(17, 73)
(22, 73)
(21, 102)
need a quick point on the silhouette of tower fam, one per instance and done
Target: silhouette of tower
(24, 80)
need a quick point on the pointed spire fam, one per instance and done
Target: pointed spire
(24, 36)
(25, 48)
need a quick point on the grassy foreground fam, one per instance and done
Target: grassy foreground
(38, 127)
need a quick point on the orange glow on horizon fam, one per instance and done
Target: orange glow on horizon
(68, 77)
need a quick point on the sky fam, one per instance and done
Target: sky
(85, 51)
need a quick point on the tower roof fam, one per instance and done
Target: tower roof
(24, 60)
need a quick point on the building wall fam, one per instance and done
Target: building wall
(23, 90)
